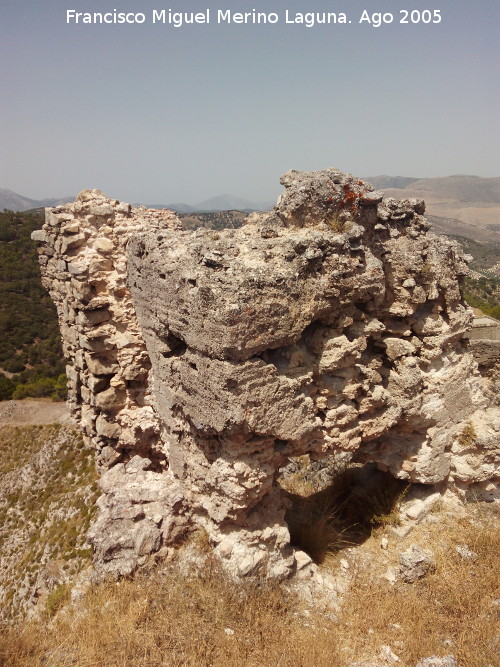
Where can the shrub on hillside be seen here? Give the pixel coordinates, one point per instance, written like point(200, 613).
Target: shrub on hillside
point(42, 387)
point(6, 388)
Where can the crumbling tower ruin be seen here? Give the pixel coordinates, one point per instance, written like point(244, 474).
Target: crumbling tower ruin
point(199, 362)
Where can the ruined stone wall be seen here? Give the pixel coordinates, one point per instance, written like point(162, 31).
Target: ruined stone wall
point(484, 338)
point(333, 323)
point(83, 258)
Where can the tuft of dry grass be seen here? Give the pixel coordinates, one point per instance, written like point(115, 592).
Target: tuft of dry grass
point(56, 600)
point(313, 528)
point(338, 223)
point(467, 437)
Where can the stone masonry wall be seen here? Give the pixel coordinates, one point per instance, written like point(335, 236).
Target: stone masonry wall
point(333, 323)
point(83, 260)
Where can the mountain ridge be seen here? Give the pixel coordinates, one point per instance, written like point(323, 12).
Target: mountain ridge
point(16, 202)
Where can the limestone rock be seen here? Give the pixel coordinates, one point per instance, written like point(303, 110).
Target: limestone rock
point(434, 661)
point(415, 563)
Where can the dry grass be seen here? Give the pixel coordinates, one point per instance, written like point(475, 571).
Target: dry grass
point(324, 519)
point(314, 528)
point(205, 619)
point(451, 611)
point(467, 438)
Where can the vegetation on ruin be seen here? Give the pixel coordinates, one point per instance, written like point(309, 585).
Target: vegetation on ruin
point(338, 223)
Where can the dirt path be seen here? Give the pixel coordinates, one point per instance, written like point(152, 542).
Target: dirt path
point(31, 411)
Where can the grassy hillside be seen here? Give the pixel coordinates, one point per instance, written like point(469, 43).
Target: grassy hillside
point(482, 287)
point(486, 255)
point(214, 220)
point(484, 293)
point(48, 488)
point(30, 348)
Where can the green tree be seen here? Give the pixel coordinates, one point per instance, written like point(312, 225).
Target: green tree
point(6, 388)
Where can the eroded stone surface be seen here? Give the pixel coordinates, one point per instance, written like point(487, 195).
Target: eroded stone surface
point(333, 323)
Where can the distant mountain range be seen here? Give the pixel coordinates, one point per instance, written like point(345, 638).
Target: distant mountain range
point(462, 205)
point(16, 202)
point(220, 203)
point(459, 188)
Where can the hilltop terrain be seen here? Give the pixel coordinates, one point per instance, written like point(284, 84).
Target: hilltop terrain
point(186, 612)
point(388, 569)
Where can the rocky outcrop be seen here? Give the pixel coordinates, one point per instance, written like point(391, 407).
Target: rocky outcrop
point(201, 361)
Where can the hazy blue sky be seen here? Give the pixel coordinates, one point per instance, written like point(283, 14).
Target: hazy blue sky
point(154, 113)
